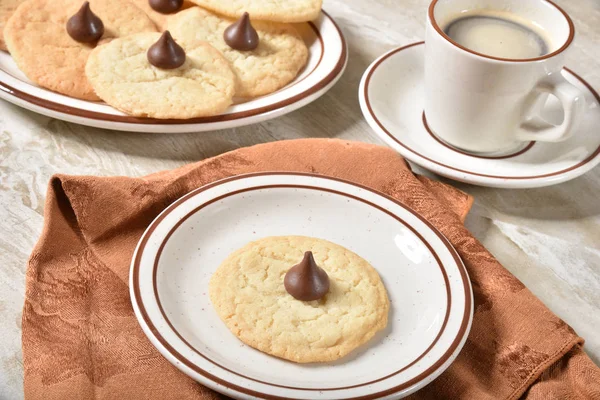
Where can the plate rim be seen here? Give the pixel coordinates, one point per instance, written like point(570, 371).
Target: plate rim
point(449, 171)
point(437, 366)
point(84, 116)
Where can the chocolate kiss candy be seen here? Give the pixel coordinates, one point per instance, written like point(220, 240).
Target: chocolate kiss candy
point(306, 281)
point(166, 6)
point(85, 26)
point(165, 53)
point(241, 35)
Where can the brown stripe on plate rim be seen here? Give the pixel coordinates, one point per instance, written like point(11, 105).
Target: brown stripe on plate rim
point(544, 57)
point(466, 153)
point(395, 139)
point(77, 112)
point(460, 335)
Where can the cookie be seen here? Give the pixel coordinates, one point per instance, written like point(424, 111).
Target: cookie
point(267, 10)
point(159, 19)
point(7, 8)
point(37, 38)
point(122, 76)
point(248, 293)
point(280, 55)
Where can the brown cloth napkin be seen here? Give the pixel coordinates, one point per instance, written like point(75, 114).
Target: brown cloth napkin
point(81, 339)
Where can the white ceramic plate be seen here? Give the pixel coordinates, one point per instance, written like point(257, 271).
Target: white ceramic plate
point(391, 98)
point(428, 286)
point(327, 60)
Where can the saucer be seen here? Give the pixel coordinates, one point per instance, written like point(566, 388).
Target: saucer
point(391, 97)
point(431, 301)
point(327, 58)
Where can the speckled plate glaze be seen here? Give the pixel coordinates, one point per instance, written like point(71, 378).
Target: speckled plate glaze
point(327, 60)
point(428, 286)
point(391, 98)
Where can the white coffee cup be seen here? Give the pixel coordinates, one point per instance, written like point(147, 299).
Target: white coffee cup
point(485, 104)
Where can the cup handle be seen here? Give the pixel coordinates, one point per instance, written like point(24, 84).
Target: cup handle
point(573, 103)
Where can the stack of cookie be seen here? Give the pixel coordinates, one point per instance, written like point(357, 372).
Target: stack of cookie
point(158, 58)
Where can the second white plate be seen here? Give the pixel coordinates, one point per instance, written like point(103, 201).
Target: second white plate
point(429, 290)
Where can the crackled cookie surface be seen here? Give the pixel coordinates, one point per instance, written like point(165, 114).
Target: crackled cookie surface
point(268, 10)
point(123, 77)
point(37, 38)
point(159, 19)
point(280, 54)
point(248, 292)
point(7, 8)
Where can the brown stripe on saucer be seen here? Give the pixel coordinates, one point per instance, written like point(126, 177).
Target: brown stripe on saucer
point(466, 153)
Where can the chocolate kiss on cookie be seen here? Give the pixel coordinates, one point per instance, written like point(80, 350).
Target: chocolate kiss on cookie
point(241, 35)
point(85, 26)
point(166, 53)
point(306, 281)
point(166, 6)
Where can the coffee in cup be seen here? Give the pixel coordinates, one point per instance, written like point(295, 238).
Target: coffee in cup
point(498, 34)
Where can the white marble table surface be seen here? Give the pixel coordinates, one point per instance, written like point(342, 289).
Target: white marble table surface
point(549, 238)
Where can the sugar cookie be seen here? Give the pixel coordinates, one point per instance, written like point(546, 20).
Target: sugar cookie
point(247, 291)
point(159, 19)
point(37, 38)
point(268, 10)
point(280, 55)
point(7, 8)
point(122, 76)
